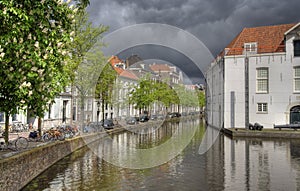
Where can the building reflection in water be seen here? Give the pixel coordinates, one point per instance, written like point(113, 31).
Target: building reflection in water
point(230, 164)
point(261, 164)
point(147, 146)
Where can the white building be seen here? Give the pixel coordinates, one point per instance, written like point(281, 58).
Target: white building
point(256, 79)
point(124, 83)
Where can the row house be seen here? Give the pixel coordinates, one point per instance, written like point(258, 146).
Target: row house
point(167, 73)
point(256, 79)
point(66, 106)
point(124, 83)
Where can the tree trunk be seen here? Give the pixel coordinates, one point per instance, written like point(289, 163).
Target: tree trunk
point(40, 126)
point(6, 128)
point(102, 109)
point(71, 105)
point(82, 112)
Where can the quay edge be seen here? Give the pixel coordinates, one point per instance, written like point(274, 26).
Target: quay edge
point(265, 133)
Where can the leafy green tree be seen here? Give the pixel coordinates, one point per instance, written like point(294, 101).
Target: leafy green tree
point(34, 39)
point(85, 47)
point(149, 91)
point(142, 95)
point(201, 99)
point(105, 85)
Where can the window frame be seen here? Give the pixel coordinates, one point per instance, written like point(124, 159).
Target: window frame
point(296, 78)
point(262, 107)
point(296, 48)
point(262, 79)
point(250, 48)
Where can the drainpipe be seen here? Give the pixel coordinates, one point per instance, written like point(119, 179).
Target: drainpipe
point(246, 92)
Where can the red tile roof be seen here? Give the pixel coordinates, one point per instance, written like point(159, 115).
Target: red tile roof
point(160, 67)
point(128, 74)
point(114, 60)
point(268, 38)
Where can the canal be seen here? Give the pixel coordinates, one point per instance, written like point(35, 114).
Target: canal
point(128, 161)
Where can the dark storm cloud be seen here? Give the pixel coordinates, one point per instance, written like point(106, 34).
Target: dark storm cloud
point(215, 22)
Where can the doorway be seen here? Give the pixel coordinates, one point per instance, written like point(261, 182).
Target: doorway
point(295, 115)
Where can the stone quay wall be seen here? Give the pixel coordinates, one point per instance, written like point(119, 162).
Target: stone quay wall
point(18, 170)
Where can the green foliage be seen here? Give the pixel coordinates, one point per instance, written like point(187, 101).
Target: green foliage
point(149, 91)
point(105, 84)
point(201, 98)
point(86, 61)
point(34, 37)
point(86, 42)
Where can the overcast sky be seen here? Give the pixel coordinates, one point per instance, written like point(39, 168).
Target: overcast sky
point(214, 22)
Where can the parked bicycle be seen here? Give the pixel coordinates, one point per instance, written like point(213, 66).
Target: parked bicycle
point(34, 137)
point(52, 135)
point(18, 143)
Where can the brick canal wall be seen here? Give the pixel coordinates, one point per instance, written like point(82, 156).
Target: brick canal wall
point(18, 170)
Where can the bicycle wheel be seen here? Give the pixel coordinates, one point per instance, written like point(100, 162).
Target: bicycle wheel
point(21, 143)
point(61, 137)
point(46, 137)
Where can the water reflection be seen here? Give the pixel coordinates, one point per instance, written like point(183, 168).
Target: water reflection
point(146, 147)
point(256, 164)
point(243, 164)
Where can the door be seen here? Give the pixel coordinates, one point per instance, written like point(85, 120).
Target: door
point(295, 114)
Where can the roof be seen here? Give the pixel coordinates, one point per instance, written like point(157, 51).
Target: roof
point(160, 67)
point(268, 38)
point(131, 60)
point(128, 74)
point(115, 61)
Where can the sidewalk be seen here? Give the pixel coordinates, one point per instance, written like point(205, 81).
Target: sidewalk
point(31, 144)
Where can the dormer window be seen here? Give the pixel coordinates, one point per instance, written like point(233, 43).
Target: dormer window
point(250, 48)
point(297, 48)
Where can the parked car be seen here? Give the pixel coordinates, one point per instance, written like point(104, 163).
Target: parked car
point(192, 113)
point(107, 123)
point(160, 117)
point(131, 121)
point(174, 114)
point(153, 117)
point(184, 114)
point(95, 125)
point(144, 118)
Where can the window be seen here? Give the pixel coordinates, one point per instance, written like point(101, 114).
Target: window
point(14, 117)
point(250, 48)
point(297, 48)
point(297, 79)
point(1, 117)
point(262, 80)
point(89, 106)
point(262, 107)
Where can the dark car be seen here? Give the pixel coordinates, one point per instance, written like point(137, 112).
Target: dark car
point(131, 121)
point(107, 123)
point(174, 114)
point(144, 118)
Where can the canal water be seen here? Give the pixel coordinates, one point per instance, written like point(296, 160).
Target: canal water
point(242, 164)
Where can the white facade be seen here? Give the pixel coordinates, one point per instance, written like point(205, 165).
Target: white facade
point(228, 97)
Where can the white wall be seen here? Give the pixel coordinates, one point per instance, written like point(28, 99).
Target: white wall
point(234, 93)
point(215, 94)
point(280, 98)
